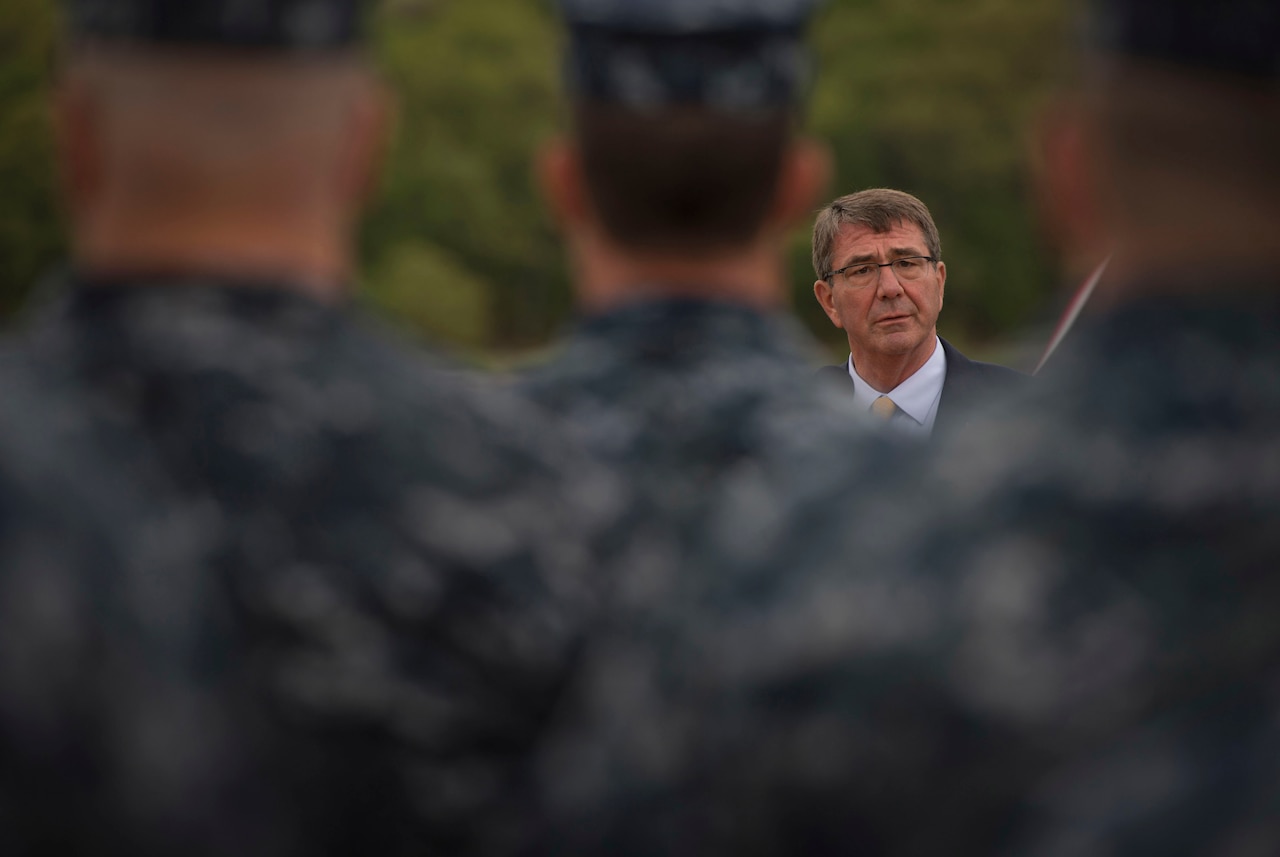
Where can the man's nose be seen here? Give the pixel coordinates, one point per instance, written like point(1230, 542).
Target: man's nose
point(888, 286)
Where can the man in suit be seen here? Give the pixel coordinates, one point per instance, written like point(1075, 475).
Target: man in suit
point(881, 279)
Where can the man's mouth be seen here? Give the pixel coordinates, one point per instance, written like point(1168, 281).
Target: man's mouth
point(890, 319)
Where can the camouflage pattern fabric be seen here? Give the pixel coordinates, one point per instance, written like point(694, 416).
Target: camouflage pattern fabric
point(1055, 633)
point(704, 406)
point(300, 591)
point(732, 73)
point(734, 57)
point(713, 413)
point(690, 17)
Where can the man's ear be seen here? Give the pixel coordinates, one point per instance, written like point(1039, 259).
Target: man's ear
point(822, 291)
point(1066, 183)
point(561, 180)
point(804, 175)
point(78, 138)
point(374, 118)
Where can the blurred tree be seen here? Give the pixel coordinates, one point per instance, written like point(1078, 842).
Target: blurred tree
point(421, 288)
point(31, 234)
point(479, 91)
point(930, 96)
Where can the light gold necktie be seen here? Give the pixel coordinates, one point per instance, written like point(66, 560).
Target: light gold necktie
point(884, 408)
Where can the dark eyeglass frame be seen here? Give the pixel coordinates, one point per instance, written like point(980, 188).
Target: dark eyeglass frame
point(889, 264)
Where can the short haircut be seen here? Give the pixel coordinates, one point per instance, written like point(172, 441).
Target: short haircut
point(194, 121)
point(681, 179)
point(879, 209)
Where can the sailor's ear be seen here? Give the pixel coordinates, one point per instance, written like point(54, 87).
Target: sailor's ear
point(1067, 181)
point(802, 180)
point(79, 143)
point(562, 182)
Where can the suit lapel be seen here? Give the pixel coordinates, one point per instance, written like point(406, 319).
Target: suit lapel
point(955, 386)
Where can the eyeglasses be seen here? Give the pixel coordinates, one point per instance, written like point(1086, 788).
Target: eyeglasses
point(862, 274)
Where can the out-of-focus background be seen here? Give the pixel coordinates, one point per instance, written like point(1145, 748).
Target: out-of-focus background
point(936, 97)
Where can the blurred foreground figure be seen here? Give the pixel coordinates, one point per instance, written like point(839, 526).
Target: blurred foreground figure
point(1060, 634)
point(675, 192)
point(286, 589)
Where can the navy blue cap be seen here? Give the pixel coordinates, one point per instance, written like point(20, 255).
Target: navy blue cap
point(1240, 37)
point(689, 17)
point(730, 55)
point(280, 25)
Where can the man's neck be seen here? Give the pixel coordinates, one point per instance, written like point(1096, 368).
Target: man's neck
point(1171, 245)
point(607, 278)
point(1130, 278)
point(308, 257)
point(885, 372)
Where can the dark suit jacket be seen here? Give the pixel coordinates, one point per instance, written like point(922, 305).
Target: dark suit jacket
point(967, 382)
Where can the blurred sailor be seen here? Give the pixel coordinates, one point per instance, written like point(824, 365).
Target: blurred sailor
point(675, 191)
point(334, 590)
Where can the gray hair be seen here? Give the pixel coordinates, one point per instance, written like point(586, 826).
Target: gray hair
point(879, 209)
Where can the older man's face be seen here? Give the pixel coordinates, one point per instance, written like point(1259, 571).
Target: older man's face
point(890, 317)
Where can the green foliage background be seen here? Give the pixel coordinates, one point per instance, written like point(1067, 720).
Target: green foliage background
point(931, 96)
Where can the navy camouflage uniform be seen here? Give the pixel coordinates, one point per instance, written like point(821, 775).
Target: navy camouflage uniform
point(309, 531)
point(678, 391)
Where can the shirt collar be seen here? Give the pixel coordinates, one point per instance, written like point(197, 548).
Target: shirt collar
point(917, 396)
point(683, 328)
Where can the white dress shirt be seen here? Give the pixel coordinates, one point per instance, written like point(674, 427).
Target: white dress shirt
point(917, 397)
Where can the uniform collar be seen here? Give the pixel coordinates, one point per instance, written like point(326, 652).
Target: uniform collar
point(87, 294)
point(681, 328)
